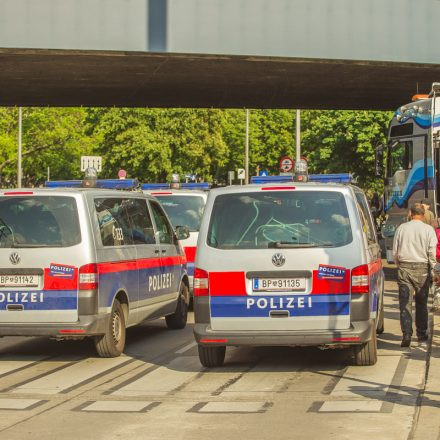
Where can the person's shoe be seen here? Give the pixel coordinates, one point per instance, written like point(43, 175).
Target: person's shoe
point(422, 337)
point(406, 341)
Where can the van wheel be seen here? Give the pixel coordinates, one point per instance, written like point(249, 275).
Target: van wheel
point(178, 319)
point(366, 354)
point(112, 343)
point(381, 321)
point(212, 356)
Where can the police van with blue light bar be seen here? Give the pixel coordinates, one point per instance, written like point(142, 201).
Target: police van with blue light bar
point(85, 259)
point(288, 264)
point(184, 203)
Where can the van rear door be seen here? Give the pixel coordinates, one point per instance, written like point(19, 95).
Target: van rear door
point(281, 260)
point(39, 243)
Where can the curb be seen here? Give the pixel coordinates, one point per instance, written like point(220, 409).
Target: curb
point(426, 422)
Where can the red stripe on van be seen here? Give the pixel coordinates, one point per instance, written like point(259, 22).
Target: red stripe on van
point(328, 286)
point(227, 284)
point(143, 263)
point(375, 266)
point(190, 252)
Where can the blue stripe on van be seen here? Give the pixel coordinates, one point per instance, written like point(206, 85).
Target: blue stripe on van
point(40, 299)
point(297, 305)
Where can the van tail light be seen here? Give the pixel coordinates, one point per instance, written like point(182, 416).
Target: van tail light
point(88, 277)
point(360, 279)
point(201, 282)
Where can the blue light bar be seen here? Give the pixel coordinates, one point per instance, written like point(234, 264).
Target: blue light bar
point(193, 185)
point(271, 179)
point(63, 184)
point(333, 178)
point(196, 185)
point(154, 186)
point(323, 178)
point(100, 183)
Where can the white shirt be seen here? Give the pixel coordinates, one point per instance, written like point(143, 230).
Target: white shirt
point(415, 242)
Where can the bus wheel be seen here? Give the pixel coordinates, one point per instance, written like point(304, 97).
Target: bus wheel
point(212, 356)
point(366, 354)
point(178, 319)
point(112, 343)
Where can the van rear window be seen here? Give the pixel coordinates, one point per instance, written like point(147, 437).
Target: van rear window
point(279, 219)
point(38, 221)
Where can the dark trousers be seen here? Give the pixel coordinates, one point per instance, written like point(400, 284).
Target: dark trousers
point(413, 277)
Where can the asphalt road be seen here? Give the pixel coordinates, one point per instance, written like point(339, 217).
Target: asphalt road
point(158, 389)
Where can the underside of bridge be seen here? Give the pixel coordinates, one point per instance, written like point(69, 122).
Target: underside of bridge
point(31, 77)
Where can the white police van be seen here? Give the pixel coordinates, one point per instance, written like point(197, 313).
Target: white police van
point(79, 262)
point(291, 264)
point(184, 206)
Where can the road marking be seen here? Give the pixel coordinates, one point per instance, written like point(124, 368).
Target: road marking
point(266, 378)
point(351, 406)
point(186, 348)
point(372, 381)
point(119, 406)
point(18, 403)
point(163, 379)
point(231, 407)
point(8, 367)
point(72, 376)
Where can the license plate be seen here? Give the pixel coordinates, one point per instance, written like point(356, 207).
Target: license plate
point(279, 284)
point(19, 280)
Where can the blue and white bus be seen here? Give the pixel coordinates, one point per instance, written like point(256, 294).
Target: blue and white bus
point(412, 161)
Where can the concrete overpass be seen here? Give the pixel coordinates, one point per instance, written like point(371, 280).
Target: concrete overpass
point(218, 53)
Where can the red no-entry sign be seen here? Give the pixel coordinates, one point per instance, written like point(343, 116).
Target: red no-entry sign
point(286, 164)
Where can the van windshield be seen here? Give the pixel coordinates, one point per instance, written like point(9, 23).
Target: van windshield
point(183, 210)
point(38, 221)
point(279, 219)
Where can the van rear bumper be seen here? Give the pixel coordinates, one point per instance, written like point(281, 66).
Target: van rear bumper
point(87, 325)
point(358, 333)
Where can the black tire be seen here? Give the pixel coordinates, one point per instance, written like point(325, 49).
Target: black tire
point(178, 319)
point(112, 343)
point(212, 356)
point(366, 354)
point(381, 320)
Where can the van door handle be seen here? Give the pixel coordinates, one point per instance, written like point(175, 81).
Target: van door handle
point(156, 251)
point(164, 251)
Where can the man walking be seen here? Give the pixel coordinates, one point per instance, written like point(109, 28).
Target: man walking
point(429, 217)
point(414, 251)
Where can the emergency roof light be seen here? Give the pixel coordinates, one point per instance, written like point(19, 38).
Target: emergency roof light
point(322, 178)
point(193, 185)
point(100, 183)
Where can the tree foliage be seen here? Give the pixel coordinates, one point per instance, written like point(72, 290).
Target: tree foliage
point(151, 144)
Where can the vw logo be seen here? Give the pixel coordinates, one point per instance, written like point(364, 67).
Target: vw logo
point(14, 258)
point(278, 260)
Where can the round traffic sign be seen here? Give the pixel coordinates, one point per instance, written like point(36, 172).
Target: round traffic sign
point(286, 164)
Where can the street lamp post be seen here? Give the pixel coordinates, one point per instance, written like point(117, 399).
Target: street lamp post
point(246, 154)
point(19, 172)
point(298, 136)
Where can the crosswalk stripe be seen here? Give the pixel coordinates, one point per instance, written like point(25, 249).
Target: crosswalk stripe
point(70, 377)
point(232, 407)
point(351, 406)
point(118, 406)
point(186, 348)
point(9, 366)
point(371, 381)
point(163, 379)
point(18, 403)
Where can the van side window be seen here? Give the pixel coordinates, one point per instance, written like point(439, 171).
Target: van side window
point(142, 226)
point(114, 222)
point(165, 232)
point(367, 224)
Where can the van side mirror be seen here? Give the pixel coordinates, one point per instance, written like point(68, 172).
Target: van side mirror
point(182, 232)
point(378, 161)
